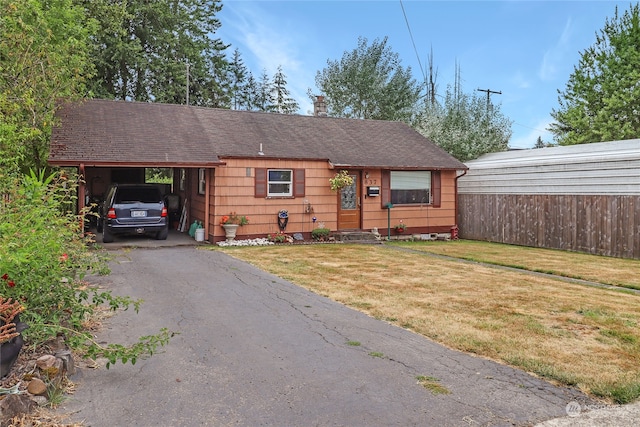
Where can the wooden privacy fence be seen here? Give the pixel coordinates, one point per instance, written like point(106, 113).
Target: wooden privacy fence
point(598, 224)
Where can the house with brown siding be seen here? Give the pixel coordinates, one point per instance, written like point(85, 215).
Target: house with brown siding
point(258, 164)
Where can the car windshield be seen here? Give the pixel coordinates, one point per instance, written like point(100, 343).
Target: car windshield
point(137, 194)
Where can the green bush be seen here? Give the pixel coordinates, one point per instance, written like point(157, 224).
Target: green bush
point(44, 256)
point(320, 233)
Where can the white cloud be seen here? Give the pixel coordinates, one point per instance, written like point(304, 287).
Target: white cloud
point(556, 56)
point(263, 40)
point(520, 81)
point(267, 41)
point(271, 50)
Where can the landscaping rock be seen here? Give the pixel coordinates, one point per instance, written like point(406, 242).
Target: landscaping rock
point(37, 387)
point(40, 400)
point(67, 361)
point(45, 362)
point(14, 405)
point(248, 242)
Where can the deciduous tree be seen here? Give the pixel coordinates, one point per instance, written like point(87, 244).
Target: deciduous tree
point(369, 83)
point(43, 57)
point(465, 125)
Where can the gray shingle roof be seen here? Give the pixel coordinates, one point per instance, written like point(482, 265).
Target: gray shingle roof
point(102, 132)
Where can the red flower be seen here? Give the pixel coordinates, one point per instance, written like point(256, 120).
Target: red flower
point(64, 257)
point(11, 283)
point(5, 276)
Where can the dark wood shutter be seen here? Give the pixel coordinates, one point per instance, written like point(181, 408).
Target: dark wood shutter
point(385, 190)
point(260, 183)
point(298, 183)
point(436, 185)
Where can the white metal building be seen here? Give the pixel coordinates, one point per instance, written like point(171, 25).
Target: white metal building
point(582, 198)
point(598, 168)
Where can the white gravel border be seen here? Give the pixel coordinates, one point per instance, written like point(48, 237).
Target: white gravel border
point(249, 242)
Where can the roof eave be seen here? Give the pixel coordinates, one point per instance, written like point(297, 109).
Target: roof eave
point(92, 163)
point(393, 167)
point(265, 157)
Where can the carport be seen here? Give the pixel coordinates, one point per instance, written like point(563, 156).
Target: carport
point(97, 178)
point(92, 142)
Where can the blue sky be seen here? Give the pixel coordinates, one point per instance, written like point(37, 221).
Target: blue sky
point(524, 49)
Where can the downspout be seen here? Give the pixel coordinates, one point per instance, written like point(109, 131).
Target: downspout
point(464, 172)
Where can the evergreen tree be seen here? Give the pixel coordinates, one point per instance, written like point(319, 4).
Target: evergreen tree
point(282, 102)
point(238, 74)
point(142, 50)
point(263, 99)
point(542, 144)
point(251, 96)
point(600, 101)
point(430, 81)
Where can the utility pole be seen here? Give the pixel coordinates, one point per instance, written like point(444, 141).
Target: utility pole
point(489, 92)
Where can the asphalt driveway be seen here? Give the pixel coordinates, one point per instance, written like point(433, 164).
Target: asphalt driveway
point(253, 349)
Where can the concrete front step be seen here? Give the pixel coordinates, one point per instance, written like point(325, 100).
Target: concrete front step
point(356, 236)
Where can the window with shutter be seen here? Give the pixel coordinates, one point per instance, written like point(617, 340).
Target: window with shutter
point(298, 184)
point(279, 182)
point(385, 196)
point(437, 189)
point(260, 183)
point(410, 188)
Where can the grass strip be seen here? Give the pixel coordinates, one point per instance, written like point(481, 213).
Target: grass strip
point(606, 270)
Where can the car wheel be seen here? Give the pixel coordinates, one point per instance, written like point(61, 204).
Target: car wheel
point(162, 234)
point(107, 236)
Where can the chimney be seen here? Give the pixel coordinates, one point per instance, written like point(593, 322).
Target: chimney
point(320, 107)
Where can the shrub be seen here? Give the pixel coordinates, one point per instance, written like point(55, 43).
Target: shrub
point(44, 256)
point(320, 233)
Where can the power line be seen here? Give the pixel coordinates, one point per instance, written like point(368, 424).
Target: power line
point(424, 77)
point(532, 128)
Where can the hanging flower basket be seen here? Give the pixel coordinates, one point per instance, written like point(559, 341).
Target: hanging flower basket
point(341, 180)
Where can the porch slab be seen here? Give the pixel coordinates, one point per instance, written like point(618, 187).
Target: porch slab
point(357, 236)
